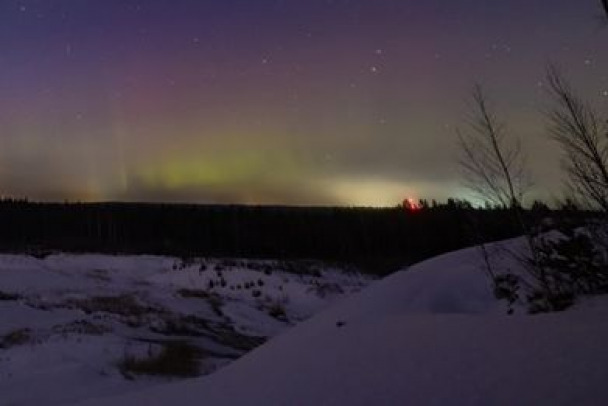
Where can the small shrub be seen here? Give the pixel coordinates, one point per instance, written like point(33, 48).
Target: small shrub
point(302, 268)
point(277, 311)
point(506, 287)
point(576, 262)
point(39, 253)
point(193, 293)
point(5, 296)
point(230, 263)
point(328, 289)
point(216, 303)
point(562, 270)
point(190, 326)
point(123, 305)
point(15, 338)
point(82, 327)
point(541, 301)
point(186, 262)
point(175, 359)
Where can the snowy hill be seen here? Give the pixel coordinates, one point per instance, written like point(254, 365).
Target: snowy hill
point(433, 335)
point(79, 326)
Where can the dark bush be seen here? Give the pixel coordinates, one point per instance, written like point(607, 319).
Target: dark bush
point(564, 268)
point(506, 287)
point(175, 359)
point(277, 311)
point(193, 293)
point(9, 296)
point(15, 338)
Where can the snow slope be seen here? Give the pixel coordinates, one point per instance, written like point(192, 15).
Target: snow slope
point(433, 335)
point(67, 322)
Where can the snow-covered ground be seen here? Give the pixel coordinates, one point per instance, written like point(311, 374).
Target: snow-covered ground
point(432, 335)
point(75, 326)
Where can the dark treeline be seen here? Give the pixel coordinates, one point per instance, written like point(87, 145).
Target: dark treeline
point(374, 239)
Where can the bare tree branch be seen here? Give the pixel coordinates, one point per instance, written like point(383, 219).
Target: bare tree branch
point(492, 166)
point(578, 129)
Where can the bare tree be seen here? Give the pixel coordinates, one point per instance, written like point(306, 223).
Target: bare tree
point(492, 164)
point(494, 167)
point(582, 135)
point(605, 6)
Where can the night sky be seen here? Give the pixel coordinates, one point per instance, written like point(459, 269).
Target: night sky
point(276, 101)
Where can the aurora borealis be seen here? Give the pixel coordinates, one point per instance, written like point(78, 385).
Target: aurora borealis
point(349, 102)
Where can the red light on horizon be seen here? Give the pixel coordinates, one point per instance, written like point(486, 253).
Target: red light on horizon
point(410, 204)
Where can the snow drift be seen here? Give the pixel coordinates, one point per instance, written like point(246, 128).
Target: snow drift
point(431, 335)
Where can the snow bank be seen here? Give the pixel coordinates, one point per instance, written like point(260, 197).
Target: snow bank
point(432, 335)
point(68, 321)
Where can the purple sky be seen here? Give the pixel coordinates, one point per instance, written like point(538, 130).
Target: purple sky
point(276, 101)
